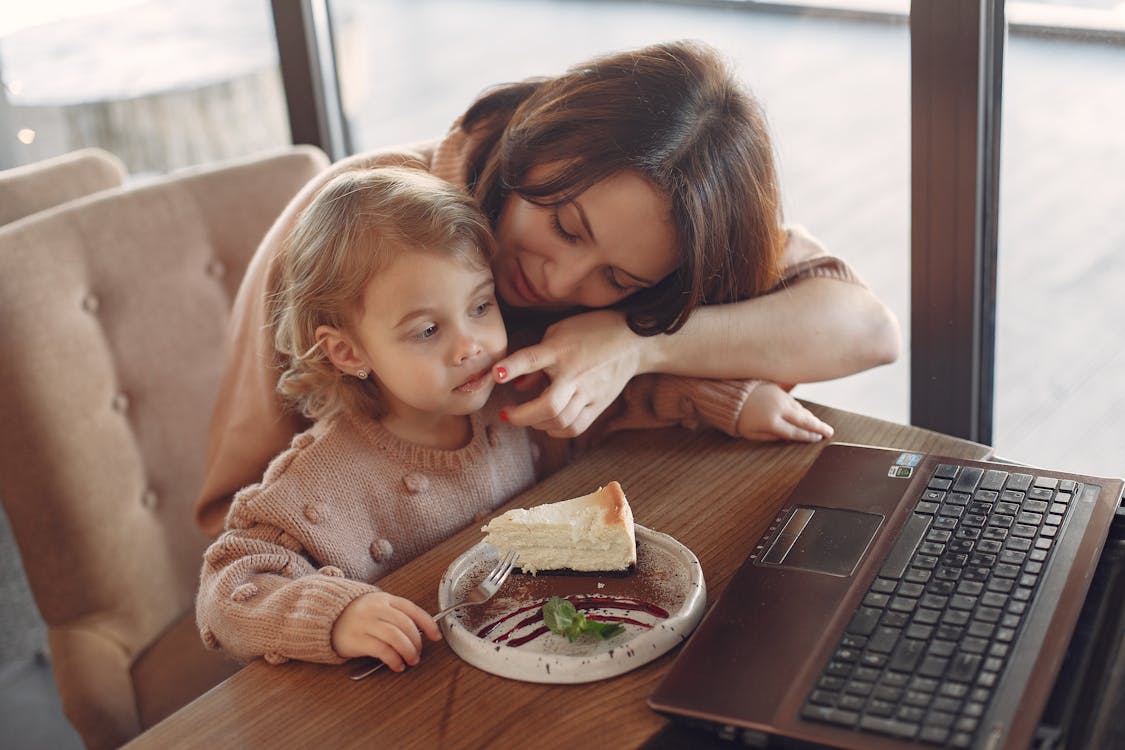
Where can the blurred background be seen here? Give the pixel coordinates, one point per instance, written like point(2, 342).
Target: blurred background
point(166, 84)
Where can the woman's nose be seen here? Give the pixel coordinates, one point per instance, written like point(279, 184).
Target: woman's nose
point(564, 277)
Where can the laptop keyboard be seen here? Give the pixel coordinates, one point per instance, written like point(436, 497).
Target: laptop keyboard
point(927, 645)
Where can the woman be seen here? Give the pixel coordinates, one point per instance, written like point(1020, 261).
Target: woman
point(634, 195)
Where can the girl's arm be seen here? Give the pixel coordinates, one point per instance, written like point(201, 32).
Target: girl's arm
point(259, 596)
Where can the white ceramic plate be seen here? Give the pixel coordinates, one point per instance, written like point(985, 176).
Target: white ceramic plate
point(667, 577)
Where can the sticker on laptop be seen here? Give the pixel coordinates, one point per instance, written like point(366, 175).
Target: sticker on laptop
point(900, 472)
point(909, 459)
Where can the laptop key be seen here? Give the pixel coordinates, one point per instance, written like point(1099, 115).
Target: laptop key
point(906, 655)
point(935, 735)
point(831, 715)
point(823, 697)
point(864, 621)
point(967, 480)
point(894, 727)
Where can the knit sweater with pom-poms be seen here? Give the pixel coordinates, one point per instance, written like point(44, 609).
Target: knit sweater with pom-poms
point(347, 503)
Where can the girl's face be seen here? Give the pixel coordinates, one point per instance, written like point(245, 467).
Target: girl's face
point(430, 332)
point(614, 239)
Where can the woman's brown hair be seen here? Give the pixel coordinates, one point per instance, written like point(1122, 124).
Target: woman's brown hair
point(674, 113)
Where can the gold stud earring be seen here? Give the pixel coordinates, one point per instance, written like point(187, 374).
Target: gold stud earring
point(362, 374)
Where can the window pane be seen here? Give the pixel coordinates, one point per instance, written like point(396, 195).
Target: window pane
point(836, 92)
point(161, 84)
point(1060, 343)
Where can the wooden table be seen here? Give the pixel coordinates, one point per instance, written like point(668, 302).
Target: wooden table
point(713, 493)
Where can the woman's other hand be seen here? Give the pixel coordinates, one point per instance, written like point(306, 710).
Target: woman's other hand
point(384, 626)
point(771, 413)
point(588, 358)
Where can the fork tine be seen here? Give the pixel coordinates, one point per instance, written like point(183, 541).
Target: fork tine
point(500, 569)
point(509, 563)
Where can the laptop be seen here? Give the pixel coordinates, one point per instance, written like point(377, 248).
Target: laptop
point(898, 600)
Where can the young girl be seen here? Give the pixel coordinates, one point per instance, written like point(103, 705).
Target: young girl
point(387, 320)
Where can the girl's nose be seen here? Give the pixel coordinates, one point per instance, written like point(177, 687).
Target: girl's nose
point(467, 347)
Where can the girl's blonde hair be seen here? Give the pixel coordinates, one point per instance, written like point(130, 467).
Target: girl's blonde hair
point(355, 226)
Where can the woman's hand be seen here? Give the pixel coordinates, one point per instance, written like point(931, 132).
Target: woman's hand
point(771, 413)
point(384, 626)
point(588, 358)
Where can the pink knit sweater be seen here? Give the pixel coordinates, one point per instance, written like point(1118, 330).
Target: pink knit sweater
point(347, 503)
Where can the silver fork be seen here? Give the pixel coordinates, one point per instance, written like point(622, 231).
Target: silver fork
point(480, 594)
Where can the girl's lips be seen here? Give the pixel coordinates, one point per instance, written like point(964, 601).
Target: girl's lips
point(476, 382)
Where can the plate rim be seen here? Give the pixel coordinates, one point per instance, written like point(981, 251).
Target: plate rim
point(529, 666)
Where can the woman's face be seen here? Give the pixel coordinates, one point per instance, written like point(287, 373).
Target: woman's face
point(614, 239)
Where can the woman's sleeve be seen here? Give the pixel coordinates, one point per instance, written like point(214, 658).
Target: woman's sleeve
point(249, 423)
point(806, 258)
point(657, 400)
point(260, 596)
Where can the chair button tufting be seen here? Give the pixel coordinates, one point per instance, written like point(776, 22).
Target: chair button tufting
point(90, 303)
point(121, 403)
point(216, 268)
point(149, 499)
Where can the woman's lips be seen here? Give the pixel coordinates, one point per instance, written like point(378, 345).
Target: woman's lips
point(523, 287)
point(476, 382)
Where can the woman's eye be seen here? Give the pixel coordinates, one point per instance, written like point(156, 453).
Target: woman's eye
point(565, 235)
point(426, 333)
point(611, 278)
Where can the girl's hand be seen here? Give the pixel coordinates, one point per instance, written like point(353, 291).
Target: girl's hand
point(384, 626)
point(588, 358)
point(771, 413)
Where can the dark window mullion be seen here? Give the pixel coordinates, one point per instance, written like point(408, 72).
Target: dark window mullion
point(306, 55)
point(956, 53)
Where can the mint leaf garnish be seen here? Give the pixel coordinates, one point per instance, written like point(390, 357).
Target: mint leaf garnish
point(562, 618)
point(604, 629)
point(559, 614)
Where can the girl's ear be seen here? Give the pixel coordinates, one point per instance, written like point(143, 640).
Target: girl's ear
point(340, 350)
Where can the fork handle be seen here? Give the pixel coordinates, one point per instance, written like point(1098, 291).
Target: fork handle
point(368, 672)
point(440, 615)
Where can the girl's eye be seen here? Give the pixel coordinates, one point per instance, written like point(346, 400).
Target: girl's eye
point(426, 333)
point(481, 309)
point(565, 235)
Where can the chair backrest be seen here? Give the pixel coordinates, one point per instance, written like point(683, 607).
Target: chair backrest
point(113, 311)
point(34, 187)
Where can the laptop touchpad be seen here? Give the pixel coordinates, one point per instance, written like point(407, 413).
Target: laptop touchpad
point(822, 540)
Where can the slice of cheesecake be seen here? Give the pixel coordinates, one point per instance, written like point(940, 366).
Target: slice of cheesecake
point(589, 534)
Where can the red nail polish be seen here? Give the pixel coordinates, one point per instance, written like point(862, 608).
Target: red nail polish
point(504, 415)
point(501, 373)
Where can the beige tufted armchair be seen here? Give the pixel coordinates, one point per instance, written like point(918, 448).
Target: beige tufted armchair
point(35, 187)
point(113, 310)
